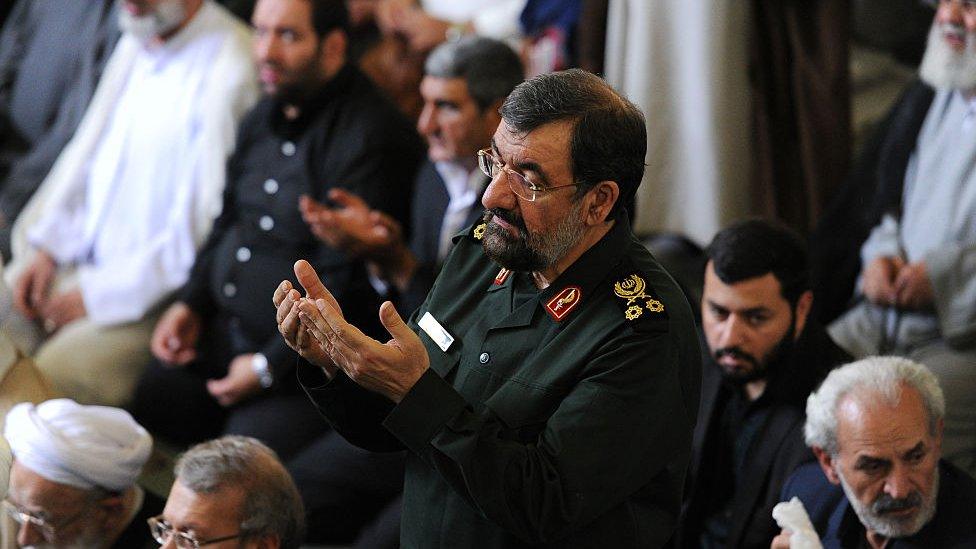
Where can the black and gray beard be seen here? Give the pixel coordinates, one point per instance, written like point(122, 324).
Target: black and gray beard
point(947, 69)
point(165, 17)
point(529, 252)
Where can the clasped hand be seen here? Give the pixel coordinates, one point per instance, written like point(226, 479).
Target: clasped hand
point(314, 327)
point(892, 281)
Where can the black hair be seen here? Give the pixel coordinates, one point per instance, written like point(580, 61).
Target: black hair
point(755, 247)
point(328, 15)
point(609, 139)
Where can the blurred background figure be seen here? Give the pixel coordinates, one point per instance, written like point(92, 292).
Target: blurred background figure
point(116, 224)
point(47, 77)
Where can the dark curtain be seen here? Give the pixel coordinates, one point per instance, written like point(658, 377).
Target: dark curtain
point(801, 105)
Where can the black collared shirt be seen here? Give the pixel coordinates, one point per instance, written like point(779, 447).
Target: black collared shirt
point(347, 135)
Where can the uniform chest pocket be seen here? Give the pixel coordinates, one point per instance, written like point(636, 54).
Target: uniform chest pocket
point(523, 407)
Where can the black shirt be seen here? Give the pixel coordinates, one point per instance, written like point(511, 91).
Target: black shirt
point(346, 135)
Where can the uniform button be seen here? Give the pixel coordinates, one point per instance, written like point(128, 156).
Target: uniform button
point(230, 290)
point(270, 186)
point(243, 254)
point(266, 222)
point(484, 358)
point(288, 148)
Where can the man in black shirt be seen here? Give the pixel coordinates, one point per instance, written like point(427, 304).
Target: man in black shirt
point(221, 364)
point(765, 356)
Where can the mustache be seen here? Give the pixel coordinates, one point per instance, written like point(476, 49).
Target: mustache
point(507, 216)
point(957, 31)
point(887, 504)
point(737, 353)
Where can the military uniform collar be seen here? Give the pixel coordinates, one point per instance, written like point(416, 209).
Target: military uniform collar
point(592, 267)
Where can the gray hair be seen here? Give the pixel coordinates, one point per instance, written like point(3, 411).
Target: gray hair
point(271, 506)
point(878, 376)
point(489, 67)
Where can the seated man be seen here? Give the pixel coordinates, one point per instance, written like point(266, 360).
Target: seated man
point(465, 84)
point(765, 355)
point(47, 77)
point(221, 364)
point(115, 226)
point(231, 488)
point(917, 265)
point(73, 480)
point(876, 427)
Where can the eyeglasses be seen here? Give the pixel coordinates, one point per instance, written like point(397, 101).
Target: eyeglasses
point(968, 6)
point(162, 532)
point(46, 527)
point(523, 188)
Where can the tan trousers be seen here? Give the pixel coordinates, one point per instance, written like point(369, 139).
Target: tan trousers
point(84, 361)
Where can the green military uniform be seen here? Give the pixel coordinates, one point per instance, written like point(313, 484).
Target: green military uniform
point(558, 418)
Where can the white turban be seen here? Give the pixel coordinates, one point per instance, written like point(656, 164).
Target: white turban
point(81, 446)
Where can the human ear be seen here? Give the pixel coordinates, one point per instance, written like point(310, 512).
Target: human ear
point(600, 200)
point(803, 306)
point(827, 463)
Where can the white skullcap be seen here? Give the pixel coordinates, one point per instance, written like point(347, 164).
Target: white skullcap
point(81, 446)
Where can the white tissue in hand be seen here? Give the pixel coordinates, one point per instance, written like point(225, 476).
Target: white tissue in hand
point(790, 515)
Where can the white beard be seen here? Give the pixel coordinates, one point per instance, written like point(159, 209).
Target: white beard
point(165, 17)
point(944, 68)
point(885, 526)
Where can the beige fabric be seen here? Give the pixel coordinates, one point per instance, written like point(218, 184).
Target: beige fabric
point(20, 380)
point(96, 364)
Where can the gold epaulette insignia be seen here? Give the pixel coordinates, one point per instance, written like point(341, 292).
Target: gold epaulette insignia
point(632, 289)
point(479, 231)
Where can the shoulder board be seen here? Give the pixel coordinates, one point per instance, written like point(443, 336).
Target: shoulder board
point(640, 306)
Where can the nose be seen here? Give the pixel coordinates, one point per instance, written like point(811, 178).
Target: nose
point(734, 332)
point(950, 12)
point(499, 194)
point(265, 47)
point(427, 122)
point(28, 534)
point(898, 484)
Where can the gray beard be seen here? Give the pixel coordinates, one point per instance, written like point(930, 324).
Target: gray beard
point(944, 68)
point(167, 16)
point(885, 526)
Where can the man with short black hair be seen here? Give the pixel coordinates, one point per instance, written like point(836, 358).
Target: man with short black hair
point(231, 488)
point(547, 388)
point(220, 365)
point(765, 355)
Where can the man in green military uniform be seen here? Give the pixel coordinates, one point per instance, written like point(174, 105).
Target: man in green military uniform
point(548, 386)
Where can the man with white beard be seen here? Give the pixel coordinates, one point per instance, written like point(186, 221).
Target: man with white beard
point(114, 228)
point(876, 427)
point(913, 196)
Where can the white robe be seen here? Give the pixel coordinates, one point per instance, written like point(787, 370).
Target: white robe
point(685, 65)
point(133, 195)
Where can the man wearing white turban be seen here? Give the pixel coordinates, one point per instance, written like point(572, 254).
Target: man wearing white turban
point(73, 479)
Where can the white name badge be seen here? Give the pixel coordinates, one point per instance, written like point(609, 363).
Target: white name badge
point(436, 332)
